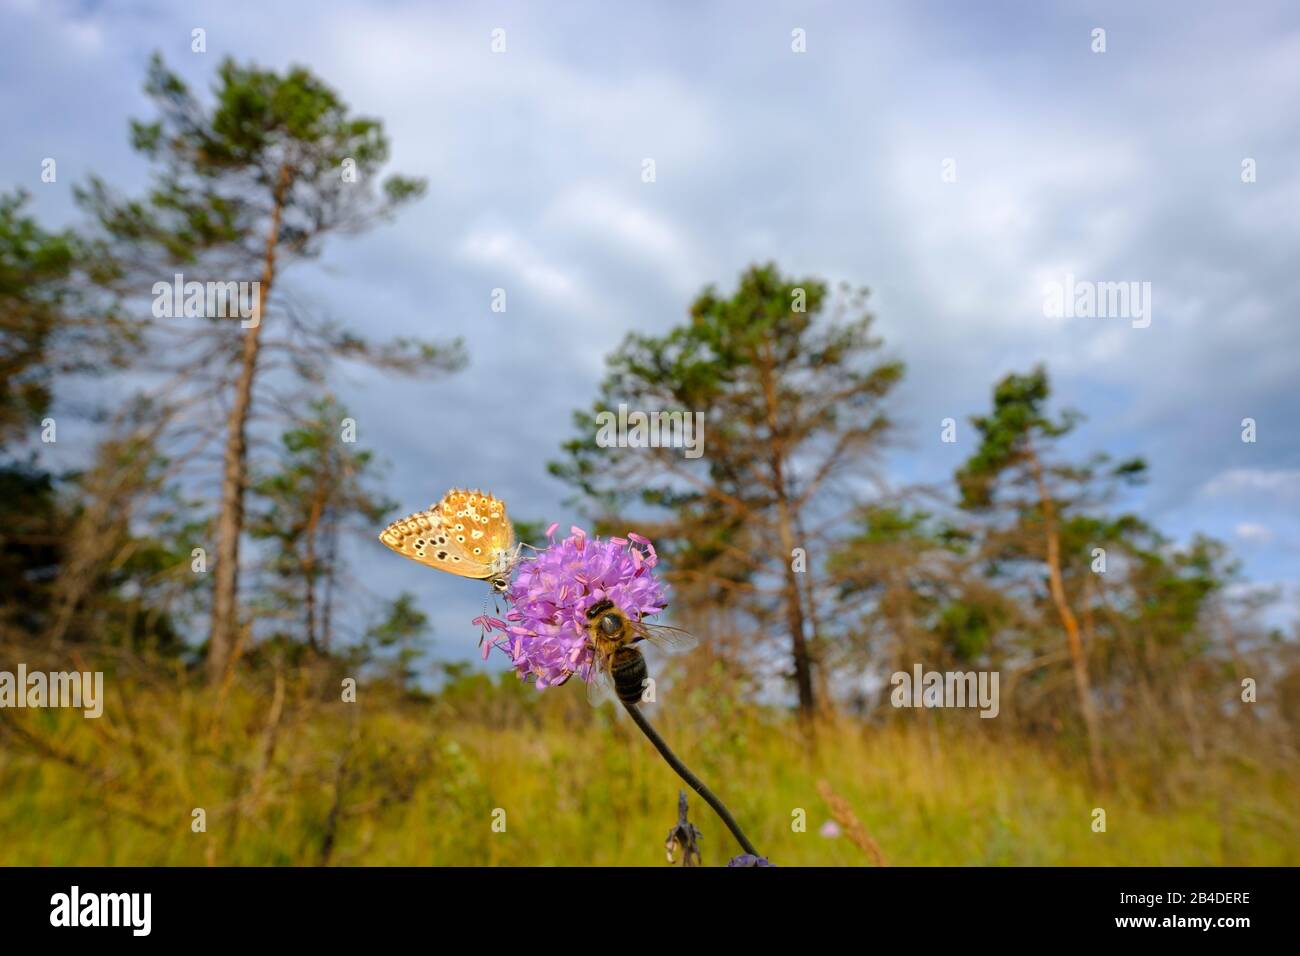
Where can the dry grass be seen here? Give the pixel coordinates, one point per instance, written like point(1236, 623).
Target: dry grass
point(294, 778)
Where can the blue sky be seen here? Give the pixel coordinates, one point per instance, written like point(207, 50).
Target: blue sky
point(1115, 166)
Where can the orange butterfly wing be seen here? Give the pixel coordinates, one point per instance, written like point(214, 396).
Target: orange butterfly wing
point(467, 533)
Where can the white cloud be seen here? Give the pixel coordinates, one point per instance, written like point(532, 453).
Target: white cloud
point(515, 256)
point(640, 233)
point(1279, 483)
point(1252, 532)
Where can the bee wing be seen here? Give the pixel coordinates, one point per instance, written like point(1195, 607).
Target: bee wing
point(600, 687)
point(670, 640)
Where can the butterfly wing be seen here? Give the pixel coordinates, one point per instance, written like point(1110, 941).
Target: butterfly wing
point(477, 524)
point(467, 534)
point(425, 538)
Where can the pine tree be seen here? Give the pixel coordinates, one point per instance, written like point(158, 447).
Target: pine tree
point(792, 405)
point(1014, 473)
point(244, 188)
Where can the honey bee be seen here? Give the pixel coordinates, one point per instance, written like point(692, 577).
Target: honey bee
point(618, 667)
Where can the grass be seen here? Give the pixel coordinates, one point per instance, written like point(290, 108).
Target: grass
point(388, 781)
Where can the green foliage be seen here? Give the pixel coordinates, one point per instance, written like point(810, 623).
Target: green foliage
point(1015, 435)
point(392, 643)
point(49, 322)
point(967, 629)
point(31, 527)
point(272, 155)
point(34, 266)
point(1008, 434)
point(265, 135)
point(735, 354)
point(403, 622)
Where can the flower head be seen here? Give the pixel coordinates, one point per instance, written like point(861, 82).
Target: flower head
point(748, 859)
point(545, 628)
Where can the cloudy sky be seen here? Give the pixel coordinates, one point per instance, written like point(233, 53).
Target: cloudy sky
point(1117, 166)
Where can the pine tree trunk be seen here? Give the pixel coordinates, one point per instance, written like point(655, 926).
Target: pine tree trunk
point(230, 521)
point(309, 558)
point(793, 600)
point(803, 676)
point(816, 645)
point(1078, 661)
point(331, 562)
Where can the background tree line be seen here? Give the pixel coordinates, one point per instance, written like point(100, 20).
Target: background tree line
point(791, 549)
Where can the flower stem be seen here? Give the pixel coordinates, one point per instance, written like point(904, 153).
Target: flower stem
point(695, 782)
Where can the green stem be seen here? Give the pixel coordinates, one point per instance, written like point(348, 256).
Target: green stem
point(695, 782)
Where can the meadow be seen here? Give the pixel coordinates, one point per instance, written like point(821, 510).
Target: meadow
point(284, 775)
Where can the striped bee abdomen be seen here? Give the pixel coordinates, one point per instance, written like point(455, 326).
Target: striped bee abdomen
point(628, 669)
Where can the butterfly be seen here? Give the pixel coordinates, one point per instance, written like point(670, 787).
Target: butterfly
point(467, 534)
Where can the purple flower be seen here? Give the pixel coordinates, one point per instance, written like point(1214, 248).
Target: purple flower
point(748, 859)
point(545, 628)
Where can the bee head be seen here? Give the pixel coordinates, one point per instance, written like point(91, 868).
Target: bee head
point(599, 608)
point(606, 616)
